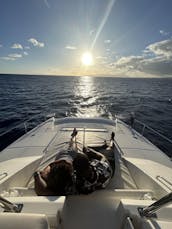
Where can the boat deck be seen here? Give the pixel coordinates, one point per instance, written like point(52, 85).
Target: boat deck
point(142, 173)
point(134, 155)
point(141, 156)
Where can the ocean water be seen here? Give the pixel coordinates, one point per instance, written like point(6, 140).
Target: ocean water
point(31, 98)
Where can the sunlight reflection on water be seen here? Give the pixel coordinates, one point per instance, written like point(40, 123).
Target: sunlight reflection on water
point(87, 93)
point(85, 87)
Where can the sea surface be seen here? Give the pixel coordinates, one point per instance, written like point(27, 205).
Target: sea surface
point(32, 98)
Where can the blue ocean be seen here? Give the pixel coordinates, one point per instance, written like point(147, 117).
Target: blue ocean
point(32, 98)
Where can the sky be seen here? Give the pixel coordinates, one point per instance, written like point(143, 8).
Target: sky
point(126, 38)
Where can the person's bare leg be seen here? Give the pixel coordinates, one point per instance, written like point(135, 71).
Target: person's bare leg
point(73, 142)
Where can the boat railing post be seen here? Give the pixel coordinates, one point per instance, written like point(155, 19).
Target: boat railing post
point(143, 129)
point(116, 122)
point(84, 138)
point(25, 127)
point(53, 122)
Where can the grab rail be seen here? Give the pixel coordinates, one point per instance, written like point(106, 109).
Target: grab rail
point(154, 131)
point(150, 210)
point(13, 128)
point(21, 129)
point(3, 175)
point(9, 206)
point(141, 129)
point(164, 181)
point(19, 125)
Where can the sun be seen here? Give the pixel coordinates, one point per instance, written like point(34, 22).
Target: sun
point(87, 58)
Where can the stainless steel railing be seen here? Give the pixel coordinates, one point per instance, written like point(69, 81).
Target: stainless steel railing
point(144, 126)
point(20, 125)
point(23, 127)
point(3, 175)
point(158, 138)
point(150, 210)
point(165, 182)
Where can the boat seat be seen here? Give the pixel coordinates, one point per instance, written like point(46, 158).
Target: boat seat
point(96, 210)
point(23, 220)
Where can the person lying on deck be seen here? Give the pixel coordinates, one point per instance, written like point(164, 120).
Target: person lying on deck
point(74, 172)
point(93, 171)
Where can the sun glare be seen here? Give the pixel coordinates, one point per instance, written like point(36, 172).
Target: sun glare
point(87, 59)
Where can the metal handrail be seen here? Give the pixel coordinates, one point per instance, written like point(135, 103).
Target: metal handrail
point(164, 181)
point(3, 175)
point(9, 206)
point(19, 125)
point(150, 210)
point(13, 128)
point(154, 131)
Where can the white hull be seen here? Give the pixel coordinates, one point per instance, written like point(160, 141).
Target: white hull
point(143, 174)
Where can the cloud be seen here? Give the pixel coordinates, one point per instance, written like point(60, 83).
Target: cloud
point(16, 46)
point(36, 43)
point(70, 47)
point(129, 64)
point(162, 48)
point(15, 55)
point(1, 46)
point(156, 60)
point(157, 66)
point(25, 53)
point(107, 41)
point(12, 56)
point(7, 58)
point(163, 33)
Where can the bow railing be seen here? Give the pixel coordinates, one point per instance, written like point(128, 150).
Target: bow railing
point(150, 133)
point(12, 134)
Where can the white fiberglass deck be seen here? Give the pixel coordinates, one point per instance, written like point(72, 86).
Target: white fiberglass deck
point(142, 154)
point(142, 172)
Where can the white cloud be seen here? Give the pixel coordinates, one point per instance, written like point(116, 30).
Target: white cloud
point(7, 58)
point(15, 55)
point(17, 46)
point(25, 53)
point(107, 41)
point(70, 47)
point(156, 60)
point(162, 48)
point(101, 60)
point(127, 64)
point(163, 33)
point(36, 43)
